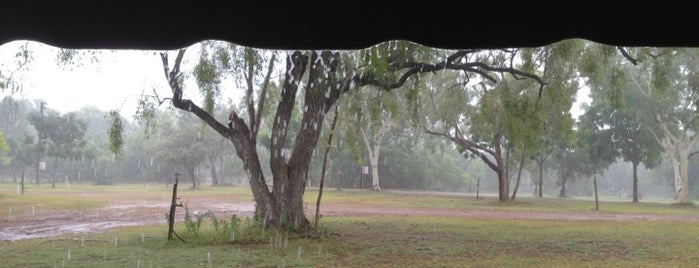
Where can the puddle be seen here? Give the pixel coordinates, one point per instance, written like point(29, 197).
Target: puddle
point(57, 223)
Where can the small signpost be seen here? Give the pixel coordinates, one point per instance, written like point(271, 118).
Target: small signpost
point(365, 171)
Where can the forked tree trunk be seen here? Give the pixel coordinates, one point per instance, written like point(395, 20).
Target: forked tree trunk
point(492, 156)
point(373, 147)
point(677, 148)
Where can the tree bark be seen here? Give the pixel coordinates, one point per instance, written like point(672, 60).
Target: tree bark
point(53, 176)
point(678, 149)
point(214, 175)
point(564, 180)
point(635, 181)
point(504, 181)
point(374, 149)
point(519, 173)
point(594, 184)
point(192, 176)
point(540, 161)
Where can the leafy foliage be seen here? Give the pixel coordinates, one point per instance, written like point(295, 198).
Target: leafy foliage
point(116, 138)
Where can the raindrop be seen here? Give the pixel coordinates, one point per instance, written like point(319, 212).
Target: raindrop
point(208, 258)
point(138, 262)
point(116, 240)
point(33, 210)
point(320, 249)
point(82, 241)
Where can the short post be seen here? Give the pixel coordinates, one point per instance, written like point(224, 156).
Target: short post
point(173, 205)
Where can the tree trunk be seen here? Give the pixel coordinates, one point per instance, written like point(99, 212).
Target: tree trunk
point(55, 170)
point(500, 169)
point(594, 184)
point(519, 173)
point(190, 171)
point(677, 148)
point(683, 191)
point(541, 178)
point(635, 181)
point(214, 175)
point(374, 160)
point(22, 182)
point(374, 149)
point(563, 179)
point(540, 161)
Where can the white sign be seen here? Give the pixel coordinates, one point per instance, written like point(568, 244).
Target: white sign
point(42, 165)
point(365, 170)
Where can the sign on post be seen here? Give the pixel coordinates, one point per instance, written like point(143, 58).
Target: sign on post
point(365, 170)
point(42, 165)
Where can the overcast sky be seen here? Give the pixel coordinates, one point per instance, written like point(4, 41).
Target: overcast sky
point(115, 82)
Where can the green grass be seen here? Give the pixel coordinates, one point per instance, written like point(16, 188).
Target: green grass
point(366, 241)
point(463, 202)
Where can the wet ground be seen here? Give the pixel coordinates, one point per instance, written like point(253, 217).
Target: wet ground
point(41, 223)
point(48, 223)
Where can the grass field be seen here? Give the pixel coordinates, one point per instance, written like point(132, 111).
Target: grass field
point(358, 229)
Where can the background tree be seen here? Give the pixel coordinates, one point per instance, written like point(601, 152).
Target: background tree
point(65, 134)
point(374, 113)
point(632, 138)
point(484, 118)
point(558, 65)
point(594, 140)
point(182, 144)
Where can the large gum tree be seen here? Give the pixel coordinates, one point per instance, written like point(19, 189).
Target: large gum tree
point(318, 79)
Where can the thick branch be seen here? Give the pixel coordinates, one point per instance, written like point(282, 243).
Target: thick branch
point(413, 68)
point(665, 130)
point(249, 94)
point(295, 68)
point(263, 95)
point(627, 56)
point(470, 146)
point(185, 104)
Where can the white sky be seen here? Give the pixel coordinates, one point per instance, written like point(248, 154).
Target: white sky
point(115, 82)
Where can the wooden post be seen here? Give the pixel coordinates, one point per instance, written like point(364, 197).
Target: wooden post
point(171, 220)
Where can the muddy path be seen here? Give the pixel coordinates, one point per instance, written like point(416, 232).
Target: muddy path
point(28, 225)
